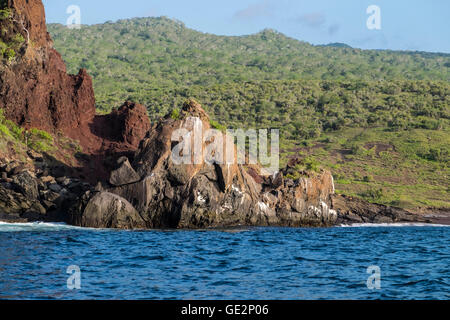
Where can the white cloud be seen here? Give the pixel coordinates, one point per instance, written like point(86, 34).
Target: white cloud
point(313, 20)
point(254, 11)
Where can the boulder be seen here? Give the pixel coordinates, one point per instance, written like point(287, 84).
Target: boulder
point(11, 202)
point(26, 184)
point(107, 210)
point(35, 156)
point(60, 180)
point(49, 206)
point(125, 174)
point(48, 179)
point(50, 196)
point(15, 207)
point(55, 187)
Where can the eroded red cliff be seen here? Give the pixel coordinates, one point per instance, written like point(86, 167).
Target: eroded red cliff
point(37, 92)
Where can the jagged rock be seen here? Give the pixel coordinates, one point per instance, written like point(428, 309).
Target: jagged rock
point(37, 92)
point(106, 210)
point(43, 171)
point(36, 207)
point(10, 201)
point(55, 187)
point(278, 180)
point(13, 168)
point(26, 184)
point(125, 174)
point(50, 196)
point(128, 124)
point(49, 206)
point(15, 206)
point(203, 195)
point(66, 182)
point(99, 187)
point(7, 185)
point(41, 185)
point(352, 210)
point(35, 156)
point(76, 187)
point(48, 179)
point(60, 180)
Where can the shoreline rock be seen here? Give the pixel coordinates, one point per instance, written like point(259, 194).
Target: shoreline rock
point(202, 195)
point(145, 188)
point(353, 210)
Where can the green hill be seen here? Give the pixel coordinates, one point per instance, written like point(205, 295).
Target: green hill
point(146, 53)
point(378, 119)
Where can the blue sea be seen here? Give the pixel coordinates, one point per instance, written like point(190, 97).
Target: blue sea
point(41, 261)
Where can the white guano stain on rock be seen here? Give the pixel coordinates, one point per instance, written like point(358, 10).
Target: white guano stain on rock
point(200, 198)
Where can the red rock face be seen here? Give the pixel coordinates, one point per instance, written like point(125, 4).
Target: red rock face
point(128, 124)
point(45, 97)
point(36, 92)
point(33, 19)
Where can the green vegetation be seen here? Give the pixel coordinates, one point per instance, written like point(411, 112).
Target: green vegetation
point(175, 114)
point(5, 13)
point(34, 139)
point(143, 58)
point(10, 43)
point(217, 126)
point(389, 167)
point(16, 141)
point(305, 165)
point(9, 128)
point(39, 140)
point(379, 120)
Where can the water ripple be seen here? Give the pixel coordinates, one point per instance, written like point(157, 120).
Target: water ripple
point(246, 263)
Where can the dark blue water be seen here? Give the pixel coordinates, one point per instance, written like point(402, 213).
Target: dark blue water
point(235, 264)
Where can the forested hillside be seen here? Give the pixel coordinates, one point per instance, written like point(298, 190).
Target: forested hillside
point(378, 119)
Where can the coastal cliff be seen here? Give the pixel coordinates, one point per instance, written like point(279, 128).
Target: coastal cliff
point(37, 92)
point(124, 176)
point(167, 195)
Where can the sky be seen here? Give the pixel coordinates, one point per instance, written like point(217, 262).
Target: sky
point(404, 24)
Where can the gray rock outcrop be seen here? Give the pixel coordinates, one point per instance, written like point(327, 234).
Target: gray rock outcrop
point(107, 210)
point(125, 174)
point(204, 195)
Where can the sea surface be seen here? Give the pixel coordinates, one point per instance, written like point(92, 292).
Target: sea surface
point(404, 261)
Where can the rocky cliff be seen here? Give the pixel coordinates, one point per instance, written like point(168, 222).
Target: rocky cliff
point(37, 92)
point(138, 183)
point(155, 192)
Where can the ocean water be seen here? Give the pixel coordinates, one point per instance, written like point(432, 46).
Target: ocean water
point(246, 263)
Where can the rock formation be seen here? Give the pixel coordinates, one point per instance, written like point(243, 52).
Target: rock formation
point(352, 210)
point(37, 92)
point(107, 210)
point(29, 193)
point(139, 183)
point(169, 195)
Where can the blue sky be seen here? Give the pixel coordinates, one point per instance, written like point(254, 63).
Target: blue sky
point(405, 24)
